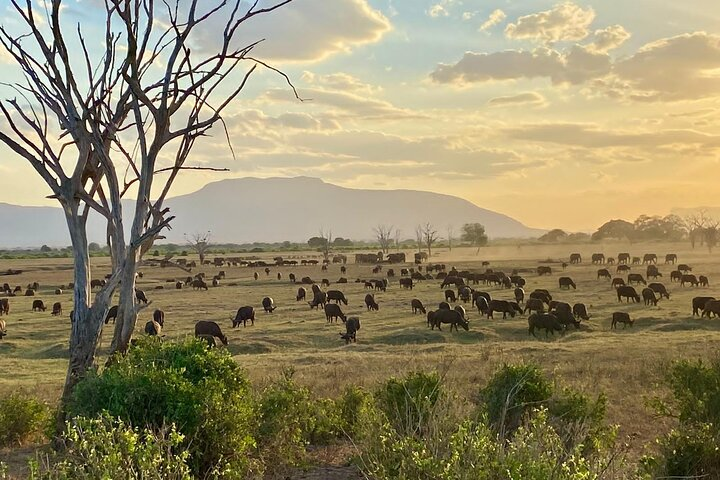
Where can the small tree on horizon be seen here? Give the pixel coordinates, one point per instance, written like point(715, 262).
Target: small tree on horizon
point(429, 236)
point(384, 235)
point(474, 233)
point(200, 243)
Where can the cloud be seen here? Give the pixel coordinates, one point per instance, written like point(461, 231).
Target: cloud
point(304, 31)
point(609, 38)
point(341, 81)
point(528, 98)
point(496, 17)
point(564, 22)
point(441, 9)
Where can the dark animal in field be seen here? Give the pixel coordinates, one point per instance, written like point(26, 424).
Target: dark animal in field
point(461, 310)
point(628, 292)
point(443, 306)
point(370, 302)
point(319, 299)
point(671, 258)
point(622, 268)
point(465, 294)
point(199, 284)
point(478, 293)
point(534, 305)
point(3, 329)
point(703, 280)
point(452, 280)
point(567, 282)
point(689, 278)
point(306, 281)
point(209, 340)
point(684, 268)
point(369, 285)
point(343, 270)
point(617, 282)
point(575, 258)
point(390, 273)
point(325, 282)
point(292, 277)
point(417, 306)
point(649, 297)
point(256, 276)
point(178, 286)
point(482, 305)
point(18, 288)
point(564, 313)
point(342, 280)
point(636, 278)
point(112, 314)
point(243, 315)
point(267, 271)
point(580, 311)
point(676, 276)
point(623, 258)
point(333, 311)
point(336, 296)
point(140, 296)
point(57, 309)
point(29, 292)
point(452, 317)
point(301, 293)
point(404, 272)
point(352, 325)
point(159, 317)
point(598, 258)
point(268, 304)
point(603, 273)
point(711, 307)
point(420, 276)
point(621, 317)
point(649, 258)
point(380, 285)
point(501, 306)
point(406, 283)
point(636, 260)
point(698, 304)
point(660, 289)
point(153, 328)
point(4, 306)
point(324, 268)
point(38, 306)
point(205, 327)
point(610, 260)
point(215, 282)
point(97, 283)
point(542, 296)
point(544, 270)
point(519, 295)
point(544, 321)
point(518, 281)
point(450, 296)
point(653, 272)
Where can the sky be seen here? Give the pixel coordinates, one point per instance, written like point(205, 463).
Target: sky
point(559, 114)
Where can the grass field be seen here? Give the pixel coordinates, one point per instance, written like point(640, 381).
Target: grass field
point(625, 364)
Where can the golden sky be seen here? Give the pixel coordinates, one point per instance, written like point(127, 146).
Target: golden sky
point(557, 114)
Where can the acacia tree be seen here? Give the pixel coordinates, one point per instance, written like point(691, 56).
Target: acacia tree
point(696, 224)
point(200, 243)
point(97, 124)
point(327, 237)
point(429, 237)
point(384, 235)
point(712, 234)
point(474, 233)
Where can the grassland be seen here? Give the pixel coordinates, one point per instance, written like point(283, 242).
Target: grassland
point(625, 364)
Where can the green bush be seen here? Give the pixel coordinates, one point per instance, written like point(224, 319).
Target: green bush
point(201, 391)
point(688, 452)
point(409, 402)
point(22, 418)
point(105, 449)
point(354, 406)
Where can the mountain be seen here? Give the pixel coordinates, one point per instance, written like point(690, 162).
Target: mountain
point(277, 209)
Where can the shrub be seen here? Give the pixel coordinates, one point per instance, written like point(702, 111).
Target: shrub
point(103, 448)
point(22, 418)
point(354, 406)
point(201, 391)
point(409, 402)
point(687, 452)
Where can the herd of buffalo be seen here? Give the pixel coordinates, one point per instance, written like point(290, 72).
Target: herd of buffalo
point(458, 287)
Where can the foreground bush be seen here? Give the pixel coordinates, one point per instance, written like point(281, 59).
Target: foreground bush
point(408, 402)
point(22, 419)
point(105, 449)
point(203, 392)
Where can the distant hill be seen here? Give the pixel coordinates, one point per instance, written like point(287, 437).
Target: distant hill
point(277, 209)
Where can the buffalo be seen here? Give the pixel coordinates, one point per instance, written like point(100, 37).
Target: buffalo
point(243, 315)
point(689, 278)
point(542, 295)
point(580, 311)
point(336, 296)
point(676, 276)
point(519, 295)
point(417, 306)
point(301, 293)
point(621, 317)
point(140, 296)
point(660, 289)
point(268, 304)
point(649, 297)
point(567, 282)
point(650, 258)
point(159, 317)
point(153, 328)
point(464, 294)
point(38, 306)
point(208, 328)
point(711, 307)
point(482, 305)
point(575, 258)
point(352, 325)
point(617, 282)
point(406, 283)
point(501, 306)
point(112, 314)
point(370, 302)
point(3, 329)
point(670, 258)
point(452, 317)
point(628, 292)
point(534, 305)
point(57, 309)
point(603, 273)
point(684, 268)
point(380, 285)
point(636, 278)
point(545, 321)
point(333, 311)
point(450, 296)
point(544, 270)
point(319, 298)
point(622, 269)
point(703, 280)
point(698, 304)
point(4, 306)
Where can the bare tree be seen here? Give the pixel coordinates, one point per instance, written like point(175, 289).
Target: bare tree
point(450, 233)
point(397, 239)
point(384, 235)
point(97, 126)
point(696, 224)
point(712, 233)
point(326, 235)
point(419, 237)
point(429, 237)
point(200, 243)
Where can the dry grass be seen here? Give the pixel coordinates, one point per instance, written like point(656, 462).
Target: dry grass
point(625, 364)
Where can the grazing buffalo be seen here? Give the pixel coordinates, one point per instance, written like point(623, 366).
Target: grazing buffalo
point(598, 258)
point(336, 296)
point(178, 286)
point(603, 273)
point(352, 325)
point(153, 328)
point(482, 305)
point(649, 258)
point(544, 321)
point(417, 306)
point(703, 280)
point(575, 258)
point(636, 278)
point(676, 276)
point(243, 315)
point(461, 310)
point(563, 312)
point(325, 282)
point(519, 295)
point(370, 302)
point(660, 289)
point(534, 305)
point(319, 299)
point(380, 285)
point(112, 314)
point(369, 285)
point(636, 260)
point(306, 281)
point(580, 311)
point(465, 294)
point(452, 280)
point(450, 296)
point(617, 282)
point(623, 257)
point(649, 297)
point(343, 270)
point(301, 294)
point(544, 270)
point(542, 295)
point(501, 306)
point(517, 281)
point(622, 268)
point(689, 278)
point(333, 311)
point(292, 277)
point(342, 280)
point(610, 261)
point(671, 258)
point(698, 304)
point(452, 317)
point(390, 273)
point(159, 317)
point(140, 296)
point(653, 272)
point(684, 268)
point(268, 304)
point(205, 327)
point(406, 283)
point(443, 306)
point(38, 306)
point(628, 292)
point(4, 306)
point(256, 276)
point(711, 307)
point(29, 292)
point(97, 283)
point(57, 309)
point(567, 282)
point(621, 317)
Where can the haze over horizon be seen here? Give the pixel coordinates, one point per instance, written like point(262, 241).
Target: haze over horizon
point(558, 114)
